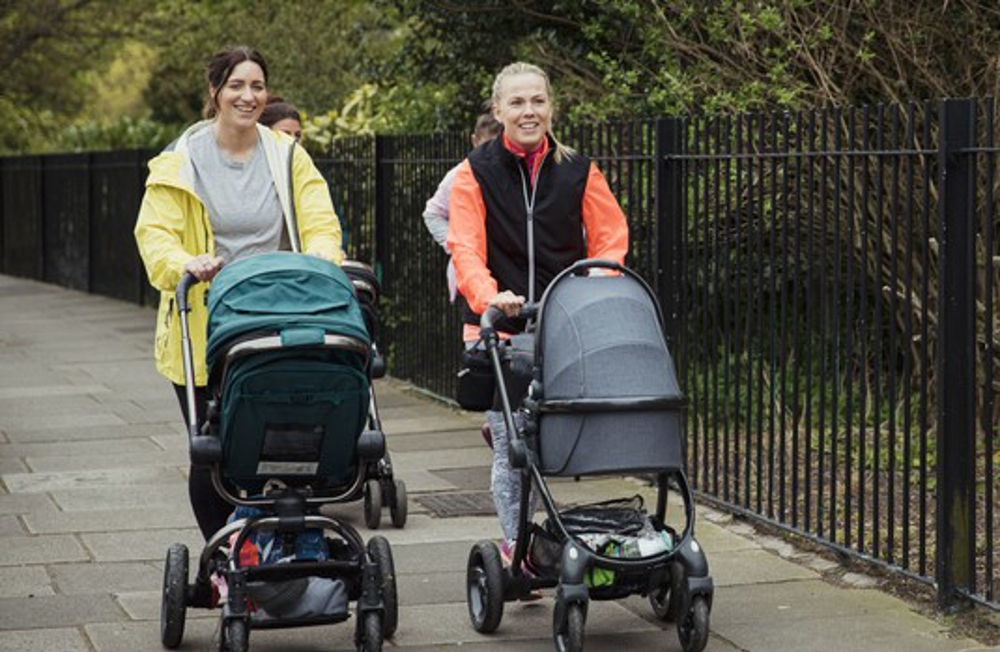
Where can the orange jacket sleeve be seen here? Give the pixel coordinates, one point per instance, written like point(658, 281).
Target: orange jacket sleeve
point(467, 239)
point(607, 229)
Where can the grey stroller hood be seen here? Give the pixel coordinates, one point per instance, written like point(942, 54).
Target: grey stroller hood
point(601, 339)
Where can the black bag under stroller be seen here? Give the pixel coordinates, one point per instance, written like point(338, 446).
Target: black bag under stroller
point(602, 399)
point(291, 426)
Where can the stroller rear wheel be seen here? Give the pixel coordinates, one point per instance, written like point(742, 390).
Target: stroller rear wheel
point(570, 639)
point(172, 607)
point(398, 508)
point(485, 587)
point(373, 504)
point(692, 630)
point(381, 553)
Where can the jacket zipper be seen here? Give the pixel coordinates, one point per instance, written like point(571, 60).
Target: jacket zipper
point(529, 205)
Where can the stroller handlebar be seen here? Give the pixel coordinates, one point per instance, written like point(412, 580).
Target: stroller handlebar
point(492, 314)
point(489, 316)
point(586, 264)
point(203, 449)
point(188, 281)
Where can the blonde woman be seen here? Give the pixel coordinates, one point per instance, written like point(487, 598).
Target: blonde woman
point(524, 182)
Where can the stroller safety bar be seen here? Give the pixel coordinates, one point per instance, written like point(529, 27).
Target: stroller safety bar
point(342, 494)
point(271, 342)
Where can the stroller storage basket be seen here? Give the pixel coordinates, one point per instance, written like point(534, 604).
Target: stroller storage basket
point(601, 342)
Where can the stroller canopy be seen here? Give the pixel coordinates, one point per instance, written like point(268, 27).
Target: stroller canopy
point(274, 291)
point(600, 338)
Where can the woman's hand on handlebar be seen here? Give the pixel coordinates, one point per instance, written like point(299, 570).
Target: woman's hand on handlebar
point(204, 267)
point(508, 302)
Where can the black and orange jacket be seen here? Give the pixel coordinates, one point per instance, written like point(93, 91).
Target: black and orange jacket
point(574, 216)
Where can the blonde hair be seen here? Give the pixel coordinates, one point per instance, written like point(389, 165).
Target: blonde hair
point(520, 68)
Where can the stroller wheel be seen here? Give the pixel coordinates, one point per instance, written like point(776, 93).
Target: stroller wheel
point(485, 587)
point(668, 600)
point(370, 632)
point(381, 554)
point(172, 607)
point(373, 504)
point(692, 630)
point(398, 508)
point(571, 638)
point(235, 636)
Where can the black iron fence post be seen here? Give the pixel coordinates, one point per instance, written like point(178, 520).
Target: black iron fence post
point(956, 356)
point(383, 194)
point(669, 207)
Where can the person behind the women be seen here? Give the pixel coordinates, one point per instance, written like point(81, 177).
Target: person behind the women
point(524, 181)
point(436, 211)
point(282, 116)
point(219, 193)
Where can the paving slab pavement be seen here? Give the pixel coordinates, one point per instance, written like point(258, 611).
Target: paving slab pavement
point(93, 489)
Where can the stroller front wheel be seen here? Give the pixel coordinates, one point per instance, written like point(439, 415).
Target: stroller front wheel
point(571, 638)
point(371, 632)
point(398, 508)
point(373, 504)
point(235, 636)
point(173, 606)
point(692, 630)
point(667, 601)
point(381, 552)
point(485, 587)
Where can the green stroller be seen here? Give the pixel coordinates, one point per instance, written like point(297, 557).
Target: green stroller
point(291, 425)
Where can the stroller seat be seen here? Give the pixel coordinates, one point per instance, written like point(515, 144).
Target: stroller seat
point(608, 397)
point(288, 351)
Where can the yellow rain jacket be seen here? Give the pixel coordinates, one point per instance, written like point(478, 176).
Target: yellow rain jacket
point(173, 227)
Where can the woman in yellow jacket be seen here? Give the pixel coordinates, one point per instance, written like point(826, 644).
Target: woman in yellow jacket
point(226, 189)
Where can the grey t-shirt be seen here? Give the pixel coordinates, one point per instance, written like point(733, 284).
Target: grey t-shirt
point(240, 198)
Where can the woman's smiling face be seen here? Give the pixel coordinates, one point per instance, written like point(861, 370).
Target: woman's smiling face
point(242, 97)
point(525, 109)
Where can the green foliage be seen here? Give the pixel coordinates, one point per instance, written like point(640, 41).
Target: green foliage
point(407, 66)
point(318, 52)
point(48, 48)
point(75, 70)
point(644, 58)
point(124, 133)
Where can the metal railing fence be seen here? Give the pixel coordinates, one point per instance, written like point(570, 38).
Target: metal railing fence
point(839, 273)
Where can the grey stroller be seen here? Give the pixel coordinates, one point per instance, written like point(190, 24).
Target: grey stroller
point(602, 399)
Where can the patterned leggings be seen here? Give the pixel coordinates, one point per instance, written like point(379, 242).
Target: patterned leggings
point(505, 481)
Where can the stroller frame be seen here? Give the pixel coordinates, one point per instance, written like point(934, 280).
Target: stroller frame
point(366, 570)
point(678, 583)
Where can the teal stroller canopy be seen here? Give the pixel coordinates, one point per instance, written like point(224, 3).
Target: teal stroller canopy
point(270, 293)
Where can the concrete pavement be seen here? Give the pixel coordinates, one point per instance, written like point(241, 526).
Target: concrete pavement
point(93, 460)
